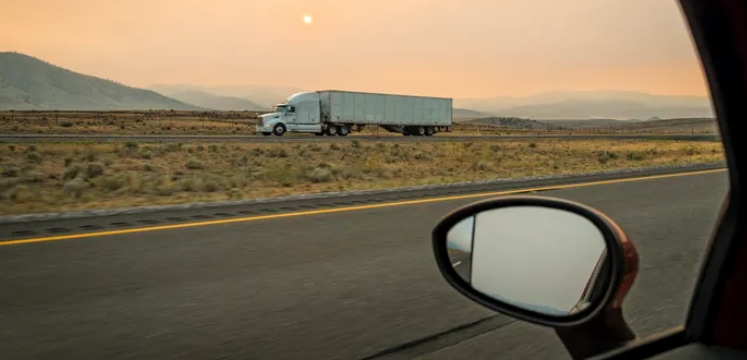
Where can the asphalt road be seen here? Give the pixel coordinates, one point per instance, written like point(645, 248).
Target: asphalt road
point(310, 138)
point(347, 285)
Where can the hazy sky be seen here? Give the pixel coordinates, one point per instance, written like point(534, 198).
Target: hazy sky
point(469, 48)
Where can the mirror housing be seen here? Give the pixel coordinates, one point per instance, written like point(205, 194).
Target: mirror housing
point(596, 327)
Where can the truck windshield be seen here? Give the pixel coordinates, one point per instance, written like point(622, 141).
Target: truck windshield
point(281, 108)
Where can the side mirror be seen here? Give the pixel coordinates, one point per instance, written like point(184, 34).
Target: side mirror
point(543, 260)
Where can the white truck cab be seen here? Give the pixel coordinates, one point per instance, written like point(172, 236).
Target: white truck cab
point(299, 113)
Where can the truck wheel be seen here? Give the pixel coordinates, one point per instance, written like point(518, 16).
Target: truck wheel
point(279, 129)
point(343, 130)
point(420, 131)
point(429, 131)
point(331, 131)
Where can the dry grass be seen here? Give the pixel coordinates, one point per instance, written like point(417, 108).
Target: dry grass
point(128, 122)
point(694, 125)
point(242, 123)
point(73, 176)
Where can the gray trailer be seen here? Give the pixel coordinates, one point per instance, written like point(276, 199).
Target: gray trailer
point(337, 113)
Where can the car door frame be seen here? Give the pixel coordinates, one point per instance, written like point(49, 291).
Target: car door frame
point(716, 317)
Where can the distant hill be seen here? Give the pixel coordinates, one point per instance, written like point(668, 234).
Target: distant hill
point(215, 102)
point(265, 96)
point(27, 83)
point(458, 113)
point(619, 105)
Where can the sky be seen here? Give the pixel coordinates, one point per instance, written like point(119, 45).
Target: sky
point(460, 49)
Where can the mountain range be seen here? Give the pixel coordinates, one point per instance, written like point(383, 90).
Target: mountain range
point(620, 105)
point(213, 101)
point(264, 96)
point(27, 83)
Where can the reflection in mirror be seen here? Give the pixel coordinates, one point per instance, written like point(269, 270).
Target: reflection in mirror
point(459, 245)
point(545, 260)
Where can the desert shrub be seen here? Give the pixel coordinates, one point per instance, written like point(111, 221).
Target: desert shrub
point(71, 172)
point(210, 185)
point(75, 187)
point(278, 153)
point(636, 156)
point(10, 171)
point(94, 170)
point(282, 175)
point(481, 166)
point(319, 175)
point(131, 145)
point(605, 156)
point(32, 176)
point(34, 157)
point(422, 156)
point(194, 164)
point(187, 184)
point(113, 183)
point(90, 156)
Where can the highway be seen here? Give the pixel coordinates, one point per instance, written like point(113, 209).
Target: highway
point(356, 283)
point(295, 138)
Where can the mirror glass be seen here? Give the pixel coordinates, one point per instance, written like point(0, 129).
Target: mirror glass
point(545, 260)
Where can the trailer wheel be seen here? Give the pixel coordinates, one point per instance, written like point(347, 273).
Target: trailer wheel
point(420, 131)
point(343, 130)
point(429, 131)
point(331, 131)
point(266, 134)
point(279, 129)
point(319, 133)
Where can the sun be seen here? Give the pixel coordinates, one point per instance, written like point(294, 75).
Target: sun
point(307, 19)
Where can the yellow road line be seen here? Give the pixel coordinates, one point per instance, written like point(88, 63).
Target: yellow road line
point(345, 209)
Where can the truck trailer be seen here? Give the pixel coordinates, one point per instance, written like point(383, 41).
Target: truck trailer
point(337, 113)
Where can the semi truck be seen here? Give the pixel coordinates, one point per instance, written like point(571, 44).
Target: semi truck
point(337, 113)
